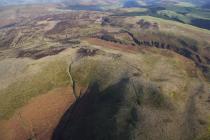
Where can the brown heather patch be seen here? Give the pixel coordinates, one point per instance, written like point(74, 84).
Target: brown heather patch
point(111, 45)
point(40, 116)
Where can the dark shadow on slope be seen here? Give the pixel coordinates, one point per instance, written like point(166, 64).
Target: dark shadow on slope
point(93, 116)
point(202, 23)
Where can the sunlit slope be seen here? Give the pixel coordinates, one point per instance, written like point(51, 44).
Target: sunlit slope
point(139, 95)
point(138, 77)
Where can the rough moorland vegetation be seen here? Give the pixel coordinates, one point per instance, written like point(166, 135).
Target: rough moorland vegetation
point(127, 77)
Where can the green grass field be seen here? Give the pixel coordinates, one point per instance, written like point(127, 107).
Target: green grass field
point(17, 94)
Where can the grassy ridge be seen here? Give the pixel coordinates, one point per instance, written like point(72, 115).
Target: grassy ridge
point(19, 93)
point(182, 12)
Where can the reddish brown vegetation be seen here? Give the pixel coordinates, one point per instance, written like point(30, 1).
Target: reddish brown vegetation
point(39, 117)
point(107, 44)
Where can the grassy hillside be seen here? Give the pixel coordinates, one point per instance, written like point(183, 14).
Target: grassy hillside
point(17, 94)
point(134, 77)
point(125, 92)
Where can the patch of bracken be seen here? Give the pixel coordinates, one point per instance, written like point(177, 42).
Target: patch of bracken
point(83, 52)
point(37, 54)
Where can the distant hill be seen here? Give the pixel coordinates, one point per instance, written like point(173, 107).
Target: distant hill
point(17, 2)
point(95, 2)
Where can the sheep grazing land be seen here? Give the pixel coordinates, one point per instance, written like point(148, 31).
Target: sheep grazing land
point(104, 70)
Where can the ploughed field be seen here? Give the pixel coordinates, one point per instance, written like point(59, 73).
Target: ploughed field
point(93, 75)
